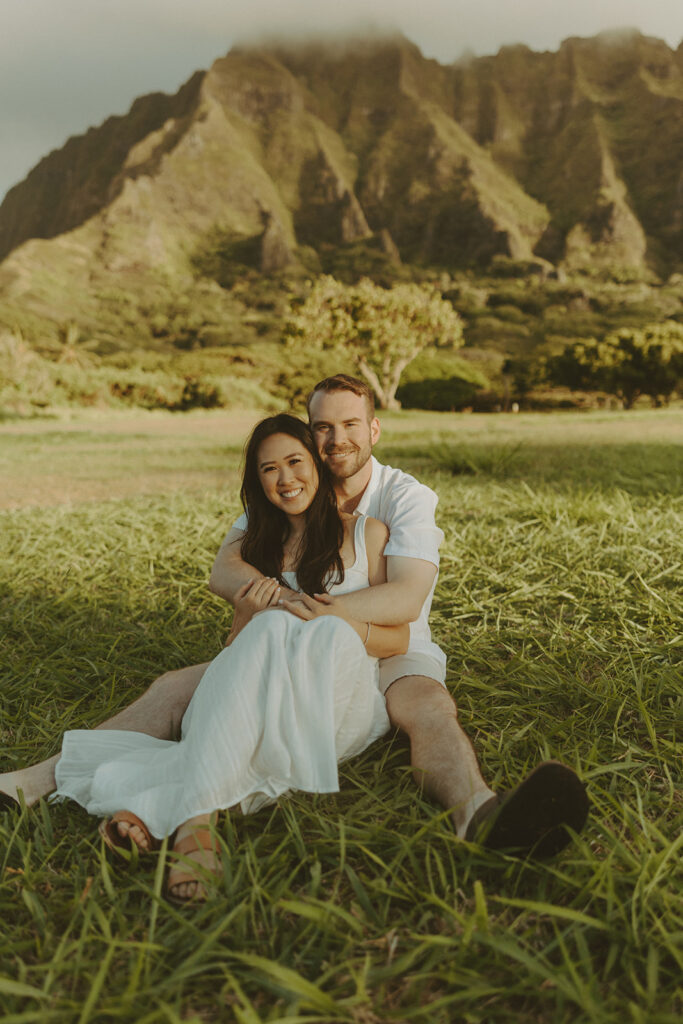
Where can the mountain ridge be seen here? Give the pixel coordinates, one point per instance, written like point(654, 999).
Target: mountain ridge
point(573, 157)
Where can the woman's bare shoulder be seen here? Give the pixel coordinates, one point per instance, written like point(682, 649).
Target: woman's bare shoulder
point(376, 536)
point(376, 533)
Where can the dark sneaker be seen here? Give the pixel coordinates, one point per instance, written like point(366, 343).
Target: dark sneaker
point(532, 819)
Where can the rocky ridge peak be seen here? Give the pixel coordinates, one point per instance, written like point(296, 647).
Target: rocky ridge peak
point(571, 156)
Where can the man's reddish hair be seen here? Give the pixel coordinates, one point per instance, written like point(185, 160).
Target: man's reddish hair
point(344, 382)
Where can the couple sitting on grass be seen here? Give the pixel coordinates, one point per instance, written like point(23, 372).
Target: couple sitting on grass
point(331, 571)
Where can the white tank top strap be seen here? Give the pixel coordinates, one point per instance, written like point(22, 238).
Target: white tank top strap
point(361, 562)
point(356, 575)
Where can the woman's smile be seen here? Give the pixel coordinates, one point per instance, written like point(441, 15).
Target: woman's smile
point(287, 473)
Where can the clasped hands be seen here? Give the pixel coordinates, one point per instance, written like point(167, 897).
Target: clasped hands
point(305, 607)
point(259, 595)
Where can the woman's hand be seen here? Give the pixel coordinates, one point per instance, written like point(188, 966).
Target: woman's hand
point(307, 608)
point(255, 596)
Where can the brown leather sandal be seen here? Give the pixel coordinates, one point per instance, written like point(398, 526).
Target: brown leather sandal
point(118, 843)
point(202, 838)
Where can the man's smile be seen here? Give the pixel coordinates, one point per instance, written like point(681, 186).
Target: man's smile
point(340, 454)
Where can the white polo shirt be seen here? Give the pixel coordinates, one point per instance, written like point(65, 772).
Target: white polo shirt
point(407, 508)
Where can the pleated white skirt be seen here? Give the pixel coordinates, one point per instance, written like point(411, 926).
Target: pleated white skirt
point(277, 710)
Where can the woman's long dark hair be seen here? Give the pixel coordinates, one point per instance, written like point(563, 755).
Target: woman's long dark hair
point(320, 563)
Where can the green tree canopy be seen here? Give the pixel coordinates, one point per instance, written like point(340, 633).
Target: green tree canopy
point(526, 372)
point(628, 363)
point(379, 329)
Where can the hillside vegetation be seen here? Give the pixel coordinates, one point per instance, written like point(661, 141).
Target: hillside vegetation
point(539, 192)
point(226, 347)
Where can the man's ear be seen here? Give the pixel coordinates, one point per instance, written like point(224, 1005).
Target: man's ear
point(375, 430)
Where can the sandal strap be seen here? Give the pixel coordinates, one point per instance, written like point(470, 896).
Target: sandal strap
point(202, 839)
point(113, 837)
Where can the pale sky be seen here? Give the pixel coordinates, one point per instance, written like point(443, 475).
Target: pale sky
point(68, 64)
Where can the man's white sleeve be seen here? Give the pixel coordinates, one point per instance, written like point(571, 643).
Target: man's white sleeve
point(409, 514)
point(239, 524)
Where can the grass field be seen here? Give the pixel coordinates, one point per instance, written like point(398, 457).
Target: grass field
point(560, 606)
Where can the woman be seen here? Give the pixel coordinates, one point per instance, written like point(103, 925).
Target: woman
point(284, 702)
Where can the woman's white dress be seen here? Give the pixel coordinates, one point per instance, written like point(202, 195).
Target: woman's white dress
point(277, 710)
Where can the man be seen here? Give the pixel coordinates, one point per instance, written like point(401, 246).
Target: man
point(533, 817)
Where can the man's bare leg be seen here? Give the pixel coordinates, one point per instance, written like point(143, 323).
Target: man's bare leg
point(444, 763)
point(534, 819)
point(158, 712)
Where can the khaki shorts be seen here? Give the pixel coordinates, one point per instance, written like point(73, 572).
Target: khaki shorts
point(413, 663)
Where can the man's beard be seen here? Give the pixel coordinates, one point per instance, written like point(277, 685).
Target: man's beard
point(356, 458)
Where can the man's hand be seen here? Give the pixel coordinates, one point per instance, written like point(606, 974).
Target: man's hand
point(379, 641)
point(254, 596)
point(305, 607)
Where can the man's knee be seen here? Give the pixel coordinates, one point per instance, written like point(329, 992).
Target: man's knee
point(174, 689)
point(413, 701)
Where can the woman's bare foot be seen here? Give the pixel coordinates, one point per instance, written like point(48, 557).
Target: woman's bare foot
point(196, 845)
point(136, 835)
point(125, 830)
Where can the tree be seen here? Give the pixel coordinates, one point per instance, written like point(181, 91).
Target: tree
point(380, 330)
point(580, 366)
point(628, 363)
point(650, 361)
point(526, 372)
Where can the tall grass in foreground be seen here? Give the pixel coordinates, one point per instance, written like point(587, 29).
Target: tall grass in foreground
point(560, 608)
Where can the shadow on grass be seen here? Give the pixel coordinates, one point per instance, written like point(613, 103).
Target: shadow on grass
point(71, 662)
